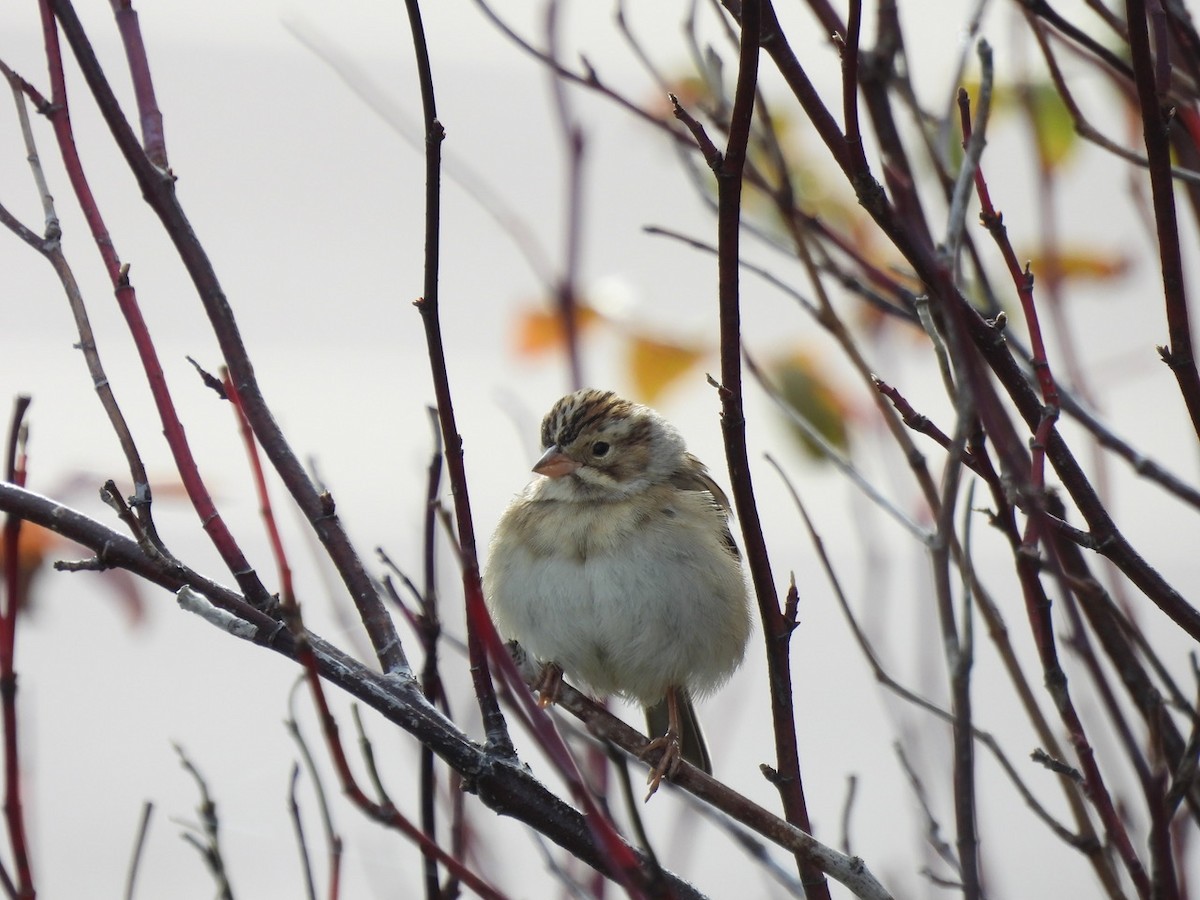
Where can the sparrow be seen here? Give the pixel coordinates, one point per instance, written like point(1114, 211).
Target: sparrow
point(616, 568)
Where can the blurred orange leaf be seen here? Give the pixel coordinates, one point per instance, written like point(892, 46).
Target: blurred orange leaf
point(806, 388)
point(655, 364)
point(540, 330)
point(37, 546)
point(33, 545)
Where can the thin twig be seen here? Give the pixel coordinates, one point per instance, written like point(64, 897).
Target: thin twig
point(428, 306)
point(118, 272)
point(139, 844)
point(733, 430)
point(298, 828)
point(574, 142)
point(158, 189)
point(206, 837)
point(333, 839)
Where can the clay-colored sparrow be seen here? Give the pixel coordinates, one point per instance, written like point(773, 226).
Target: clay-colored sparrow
point(616, 568)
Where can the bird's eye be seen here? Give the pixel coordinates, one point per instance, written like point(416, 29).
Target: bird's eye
point(600, 448)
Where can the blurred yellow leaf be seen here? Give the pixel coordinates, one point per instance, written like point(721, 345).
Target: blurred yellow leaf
point(1083, 265)
point(806, 388)
point(654, 364)
point(540, 330)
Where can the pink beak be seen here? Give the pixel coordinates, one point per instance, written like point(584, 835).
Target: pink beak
point(555, 464)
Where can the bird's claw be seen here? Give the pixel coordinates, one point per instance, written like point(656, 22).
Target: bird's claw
point(668, 763)
point(548, 684)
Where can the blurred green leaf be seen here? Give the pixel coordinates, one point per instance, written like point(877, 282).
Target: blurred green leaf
point(806, 388)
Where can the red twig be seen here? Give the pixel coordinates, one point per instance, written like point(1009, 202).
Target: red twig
point(14, 816)
point(623, 864)
point(1022, 277)
point(286, 592)
point(1023, 281)
point(118, 272)
point(924, 425)
point(384, 812)
point(158, 190)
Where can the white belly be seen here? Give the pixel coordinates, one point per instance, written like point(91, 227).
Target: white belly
point(630, 604)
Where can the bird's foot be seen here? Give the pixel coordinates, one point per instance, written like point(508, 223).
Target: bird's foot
point(548, 684)
point(668, 763)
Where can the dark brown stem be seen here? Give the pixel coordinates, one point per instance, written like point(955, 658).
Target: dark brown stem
point(118, 272)
point(1157, 115)
point(733, 429)
point(850, 83)
point(485, 694)
point(153, 140)
point(429, 631)
point(1022, 278)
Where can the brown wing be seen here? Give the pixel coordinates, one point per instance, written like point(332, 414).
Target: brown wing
point(693, 476)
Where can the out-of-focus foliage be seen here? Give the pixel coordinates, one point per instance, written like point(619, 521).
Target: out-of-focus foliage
point(655, 364)
point(1084, 264)
point(807, 388)
point(654, 361)
point(540, 329)
point(1054, 134)
point(34, 547)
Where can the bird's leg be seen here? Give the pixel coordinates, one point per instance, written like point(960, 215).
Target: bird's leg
point(548, 684)
point(669, 743)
